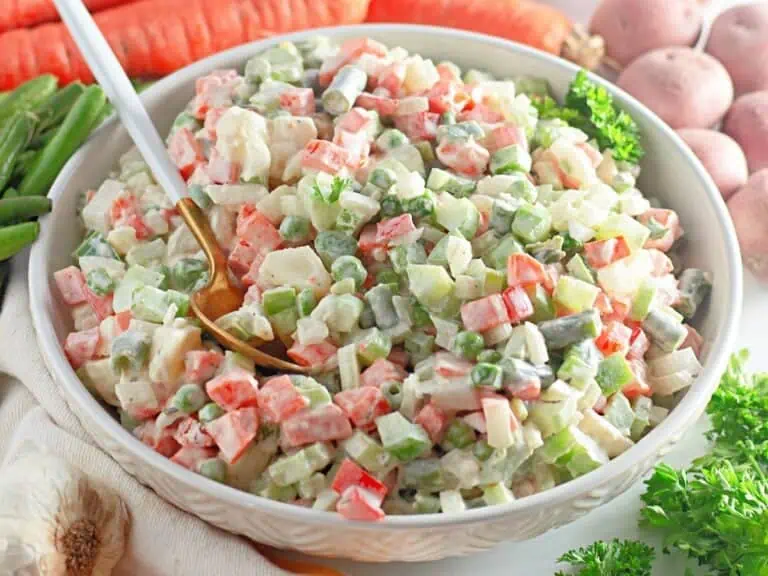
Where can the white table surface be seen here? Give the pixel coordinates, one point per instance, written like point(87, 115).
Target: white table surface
point(617, 519)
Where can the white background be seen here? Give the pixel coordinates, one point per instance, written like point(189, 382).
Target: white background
point(617, 519)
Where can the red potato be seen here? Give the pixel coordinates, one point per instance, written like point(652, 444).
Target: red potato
point(739, 39)
point(721, 156)
point(686, 88)
point(747, 123)
point(631, 28)
point(749, 210)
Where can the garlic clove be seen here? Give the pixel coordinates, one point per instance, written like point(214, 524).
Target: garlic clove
point(75, 525)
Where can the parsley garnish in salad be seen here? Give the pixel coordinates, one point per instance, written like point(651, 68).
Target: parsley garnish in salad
point(590, 107)
point(331, 194)
point(615, 558)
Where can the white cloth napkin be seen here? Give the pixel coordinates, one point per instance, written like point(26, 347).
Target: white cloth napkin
point(164, 541)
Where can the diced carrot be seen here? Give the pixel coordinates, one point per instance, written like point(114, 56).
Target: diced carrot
point(465, 157)
point(101, 305)
point(639, 386)
point(600, 253)
point(363, 405)
point(393, 228)
point(519, 305)
point(449, 365)
point(524, 270)
point(234, 431)
point(382, 371)
point(614, 338)
point(221, 170)
point(447, 96)
point(434, 420)
point(255, 228)
point(190, 432)
point(312, 354)
point(325, 156)
point(384, 105)
point(358, 504)
point(350, 474)
point(298, 101)
point(505, 135)
point(71, 284)
point(201, 365)
point(418, 126)
point(185, 151)
point(485, 313)
point(323, 424)
point(638, 344)
point(279, 399)
point(80, 347)
point(480, 113)
point(667, 219)
point(233, 390)
point(191, 456)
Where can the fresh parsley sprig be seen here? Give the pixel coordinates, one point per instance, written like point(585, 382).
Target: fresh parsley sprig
point(590, 108)
point(615, 558)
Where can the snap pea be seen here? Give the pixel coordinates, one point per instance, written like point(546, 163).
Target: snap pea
point(74, 130)
point(27, 96)
point(20, 209)
point(52, 111)
point(14, 137)
point(14, 238)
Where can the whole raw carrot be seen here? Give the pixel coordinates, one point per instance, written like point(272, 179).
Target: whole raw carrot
point(27, 13)
point(526, 21)
point(156, 37)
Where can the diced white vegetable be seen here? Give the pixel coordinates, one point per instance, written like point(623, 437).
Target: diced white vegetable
point(535, 344)
point(608, 437)
point(532, 436)
point(359, 204)
point(420, 74)
point(137, 395)
point(579, 232)
point(298, 267)
point(633, 203)
point(446, 332)
point(156, 222)
point(517, 345)
point(623, 277)
point(458, 252)
point(326, 500)
point(498, 334)
point(455, 394)
point(108, 329)
point(241, 138)
point(452, 502)
point(311, 331)
point(349, 367)
point(464, 466)
point(99, 377)
point(181, 243)
point(114, 268)
point(270, 205)
point(411, 402)
point(122, 239)
point(499, 419)
point(236, 194)
point(169, 346)
point(409, 186)
point(658, 415)
point(468, 288)
point(145, 252)
point(671, 383)
point(676, 361)
point(96, 212)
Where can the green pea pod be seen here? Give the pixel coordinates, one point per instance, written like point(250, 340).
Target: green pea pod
point(10, 193)
point(27, 96)
point(14, 138)
point(41, 140)
point(14, 238)
point(54, 109)
point(21, 209)
point(78, 124)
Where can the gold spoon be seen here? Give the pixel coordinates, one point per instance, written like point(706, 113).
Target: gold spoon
point(221, 295)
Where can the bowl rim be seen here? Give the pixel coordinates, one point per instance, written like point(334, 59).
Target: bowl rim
point(694, 401)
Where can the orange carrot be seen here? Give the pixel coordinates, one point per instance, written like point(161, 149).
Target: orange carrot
point(25, 13)
point(525, 21)
point(155, 37)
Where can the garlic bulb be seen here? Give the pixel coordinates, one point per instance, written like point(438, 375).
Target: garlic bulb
point(57, 519)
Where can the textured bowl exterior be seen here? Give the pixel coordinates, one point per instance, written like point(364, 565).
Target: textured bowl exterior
point(671, 172)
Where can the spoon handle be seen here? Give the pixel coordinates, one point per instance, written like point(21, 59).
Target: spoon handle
point(112, 78)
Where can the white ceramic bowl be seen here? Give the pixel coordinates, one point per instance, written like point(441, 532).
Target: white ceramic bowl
point(670, 172)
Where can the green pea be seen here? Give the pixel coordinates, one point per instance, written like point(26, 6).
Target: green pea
point(100, 282)
point(189, 398)
point(390, 206)
point(210, 412)
point(489, 356)
point(294, 229)
point(487, 375)
point(331, 244)
point(468, 344)
point(349, 267)
point(306, 302)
